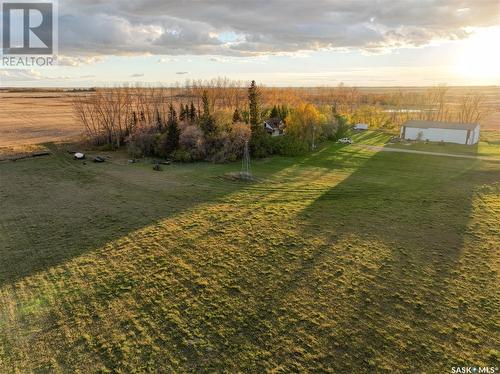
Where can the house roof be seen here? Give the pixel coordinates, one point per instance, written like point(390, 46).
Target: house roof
point(440, 125)
point(273, 122)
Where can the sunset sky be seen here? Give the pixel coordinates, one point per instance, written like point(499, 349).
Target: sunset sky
point(276, 42)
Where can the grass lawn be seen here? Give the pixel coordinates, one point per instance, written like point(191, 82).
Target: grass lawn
point(345, 260)
point(489, 145)
point(482, 149)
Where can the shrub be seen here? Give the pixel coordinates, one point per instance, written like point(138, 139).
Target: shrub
point(343, 129)
point(261, 144)
point(182, 155)
point(99, 139)
point(214, 147)
point(329, 131)
point(191, 141)
point(162, 148)
point(142, 143)
point(239, 135)
point(106, 148)
point(234, 143)
point(288, 145)
point(223, 119)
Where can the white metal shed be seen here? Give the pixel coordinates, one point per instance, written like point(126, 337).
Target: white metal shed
point(435, 131)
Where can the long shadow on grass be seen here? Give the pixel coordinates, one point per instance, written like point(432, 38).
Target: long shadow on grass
point(409, 214)
point(362, 298)
point(355, 290)
point(55, 209)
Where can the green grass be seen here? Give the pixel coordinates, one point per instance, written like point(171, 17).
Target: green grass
point(492, 137)
point(482, 149)
point(489, 146)
point(345, 260)
point(377, 138)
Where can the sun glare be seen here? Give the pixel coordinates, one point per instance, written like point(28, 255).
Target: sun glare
point(479, 55)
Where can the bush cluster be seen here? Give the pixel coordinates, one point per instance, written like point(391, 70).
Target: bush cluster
point(205, 139)
point(187, 133)
point(216, 138)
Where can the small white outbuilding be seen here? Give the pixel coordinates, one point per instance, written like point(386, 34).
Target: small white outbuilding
point(435, 131)
point(361, 127)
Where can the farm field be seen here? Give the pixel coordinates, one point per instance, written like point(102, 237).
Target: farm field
point(36, 117)
point(344, 260)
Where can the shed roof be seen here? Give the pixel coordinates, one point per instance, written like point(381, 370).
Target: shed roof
point(440, 125)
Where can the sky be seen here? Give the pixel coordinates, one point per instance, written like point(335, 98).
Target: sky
point(276, 42)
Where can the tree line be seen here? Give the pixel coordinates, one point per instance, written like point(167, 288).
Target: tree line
point(212, 120)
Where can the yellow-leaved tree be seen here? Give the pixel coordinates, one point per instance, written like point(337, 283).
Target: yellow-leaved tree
point(306, 122)
point(373, 116)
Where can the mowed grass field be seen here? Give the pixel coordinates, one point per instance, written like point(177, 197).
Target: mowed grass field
point(345, 260)
point(489, 146)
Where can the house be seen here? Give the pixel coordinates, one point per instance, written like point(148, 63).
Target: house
point(274, 126)
point(435, 131)
point(361, 127)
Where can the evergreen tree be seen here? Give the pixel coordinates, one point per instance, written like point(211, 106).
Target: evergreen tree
point(253, 100)
point(158, 121)
point(192, 113)
point(246, 116)
point(171, 142)
point(258, 142)
point(207, 122)
point(283, 112)
point(182, 115)
point(206, 104)
point(342, 127)
point(275, 112)
point(236, 116)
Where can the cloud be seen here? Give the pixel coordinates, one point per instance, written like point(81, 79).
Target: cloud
point(167, 59)
point(221, 59)
point(182, 72)
point(78, 60)
point(219, 28)
point(137, 75)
